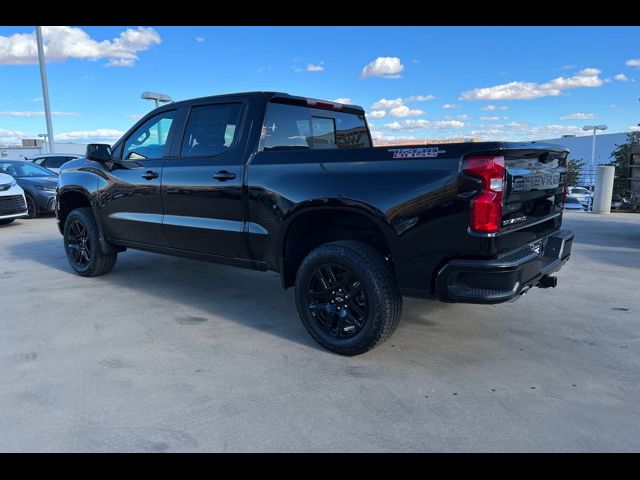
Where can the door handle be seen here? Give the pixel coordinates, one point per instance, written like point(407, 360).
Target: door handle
point(149, 175)
point(223, 175)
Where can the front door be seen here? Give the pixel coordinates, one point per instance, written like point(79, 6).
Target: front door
point(202, 183)
point(131, 198)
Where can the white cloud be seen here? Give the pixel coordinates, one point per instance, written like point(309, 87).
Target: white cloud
point(489, 119)
point(634, 62)
point(386, 67)
point(621, 77)
point(588, 77)
point(90, 135)
point(448, 106)
point(61, 43)
point(419, 98)
point(385, 104)
point(578, 116)
point(491, 108)
point(11, 136)
point(377, 113)
point(404, 111)
point(634, 128)
point(135, 116)
point(345, 100)
point(463, 116)
point(315, 68)
point(421, 123)
point(38, 114)
point(200, 39)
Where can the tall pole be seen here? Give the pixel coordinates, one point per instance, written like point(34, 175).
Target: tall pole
point(45, 88)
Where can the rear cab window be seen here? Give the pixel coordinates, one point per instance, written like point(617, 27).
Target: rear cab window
point(293, 127)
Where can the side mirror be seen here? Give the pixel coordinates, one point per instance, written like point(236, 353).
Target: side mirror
point(99, 152)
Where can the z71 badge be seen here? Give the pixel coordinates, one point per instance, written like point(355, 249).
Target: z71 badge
point(421, 152)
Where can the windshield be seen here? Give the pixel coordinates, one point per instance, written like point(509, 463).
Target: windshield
point(24, 169)
point(571, 200)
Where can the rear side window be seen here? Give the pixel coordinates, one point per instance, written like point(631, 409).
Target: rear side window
point(290, 127)
point(211, 129)
point(54, 162)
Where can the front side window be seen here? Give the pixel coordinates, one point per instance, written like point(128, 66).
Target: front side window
point(211, 129)
point(150, 139)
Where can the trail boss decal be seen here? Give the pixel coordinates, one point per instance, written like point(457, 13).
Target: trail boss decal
point(422, 152)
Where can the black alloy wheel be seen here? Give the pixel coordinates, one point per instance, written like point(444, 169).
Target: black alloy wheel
point(79, 243)
point(337, 300)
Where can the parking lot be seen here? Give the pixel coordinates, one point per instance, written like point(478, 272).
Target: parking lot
point(169, 354)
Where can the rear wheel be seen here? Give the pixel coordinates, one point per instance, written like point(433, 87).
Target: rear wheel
point(347, 297)
point(82, 245)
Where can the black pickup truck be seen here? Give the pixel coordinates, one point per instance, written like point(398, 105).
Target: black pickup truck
point(270, 181)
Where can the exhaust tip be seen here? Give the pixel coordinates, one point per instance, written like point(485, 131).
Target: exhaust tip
point(547, 281)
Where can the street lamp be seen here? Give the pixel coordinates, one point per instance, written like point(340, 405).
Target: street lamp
point(593, 144)
point(158, 97)
point(44, 135)
point(45, 88)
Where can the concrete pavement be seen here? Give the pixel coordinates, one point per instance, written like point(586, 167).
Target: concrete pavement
point(169, 354)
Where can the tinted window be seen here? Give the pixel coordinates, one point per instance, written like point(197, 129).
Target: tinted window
point(38, 161)
point(351, 131)
point(571, 200)
point(295, 127)
point(211, 129)
point(54, 162)
point(150, 139)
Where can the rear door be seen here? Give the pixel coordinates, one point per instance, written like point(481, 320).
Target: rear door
point(202, 181)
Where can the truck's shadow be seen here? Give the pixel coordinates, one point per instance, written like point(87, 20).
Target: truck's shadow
point(251, 298)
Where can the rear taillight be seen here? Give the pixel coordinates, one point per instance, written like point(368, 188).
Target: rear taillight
point(485, 210)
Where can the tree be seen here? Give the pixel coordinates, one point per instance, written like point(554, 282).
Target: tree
point(621, 162)
point(574, 167)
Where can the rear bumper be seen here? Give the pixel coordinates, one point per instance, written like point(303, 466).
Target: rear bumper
point(506, 277)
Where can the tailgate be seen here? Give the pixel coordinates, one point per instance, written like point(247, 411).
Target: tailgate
point(535, 184)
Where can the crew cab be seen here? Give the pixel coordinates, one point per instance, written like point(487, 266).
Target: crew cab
point(271, 181)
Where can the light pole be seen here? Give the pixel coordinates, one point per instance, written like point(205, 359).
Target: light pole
point(45, 88)
point(595, 128)
point(45, 136)
point(158, 98)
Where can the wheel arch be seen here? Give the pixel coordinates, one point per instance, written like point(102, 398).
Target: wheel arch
point(313, 225)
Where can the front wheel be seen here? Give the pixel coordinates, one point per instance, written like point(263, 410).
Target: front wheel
point(31, 207)
point(82, 245)
point(347, 297)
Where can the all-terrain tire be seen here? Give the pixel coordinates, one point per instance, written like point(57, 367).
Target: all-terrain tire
point(93, 262)
point(377, 282)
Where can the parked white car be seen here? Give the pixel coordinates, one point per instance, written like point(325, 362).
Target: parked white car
point(581, 193)
point(573, 203)
point(12, 201)
point(53, 161)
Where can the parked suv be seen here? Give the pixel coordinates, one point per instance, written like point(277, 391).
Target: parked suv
point(270, 181)
point(53, 161)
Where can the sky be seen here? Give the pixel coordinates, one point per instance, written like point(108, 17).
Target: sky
point(489, 83)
